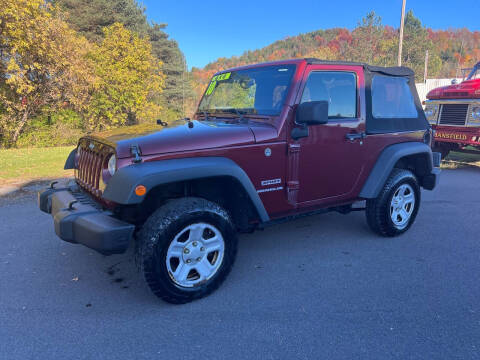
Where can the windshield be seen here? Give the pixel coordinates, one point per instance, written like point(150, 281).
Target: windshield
point(475, 72)
point(259, 91)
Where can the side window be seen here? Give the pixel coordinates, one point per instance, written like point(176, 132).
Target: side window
point(392, 98)
point(338, 88)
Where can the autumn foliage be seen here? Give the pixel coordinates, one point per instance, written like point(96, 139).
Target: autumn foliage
point(48, 70)
point(370, 42)
point(72, 66)
point(127, 80)
point(43, 65)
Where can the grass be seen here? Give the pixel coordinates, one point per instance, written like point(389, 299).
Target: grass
point(22, 165)
point(457, 160)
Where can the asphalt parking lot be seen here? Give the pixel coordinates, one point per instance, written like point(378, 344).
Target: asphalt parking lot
point(322, 287)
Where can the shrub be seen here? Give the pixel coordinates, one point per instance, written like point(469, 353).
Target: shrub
point(60, 129)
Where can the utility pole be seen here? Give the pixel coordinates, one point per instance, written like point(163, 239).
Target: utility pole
point(426, 67)
point(400, 42)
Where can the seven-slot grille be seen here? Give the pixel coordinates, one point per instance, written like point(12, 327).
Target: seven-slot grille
point(453, 114)
point(91, 163)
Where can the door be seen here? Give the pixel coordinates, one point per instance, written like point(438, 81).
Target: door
point(330, 159)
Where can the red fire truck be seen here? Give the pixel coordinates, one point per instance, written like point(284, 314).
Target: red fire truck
point(454, 113)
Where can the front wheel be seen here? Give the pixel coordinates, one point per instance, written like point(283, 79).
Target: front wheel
point(186, 249)
point(396, 207)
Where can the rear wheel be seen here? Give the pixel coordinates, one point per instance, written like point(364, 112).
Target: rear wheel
point(187, 248)
point(396, 207)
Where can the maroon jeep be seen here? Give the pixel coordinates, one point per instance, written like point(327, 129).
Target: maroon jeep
point(268, 142)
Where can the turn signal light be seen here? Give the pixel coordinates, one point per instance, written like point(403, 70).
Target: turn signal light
point(140, 190)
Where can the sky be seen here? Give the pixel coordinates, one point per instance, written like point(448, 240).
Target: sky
point(206, 29)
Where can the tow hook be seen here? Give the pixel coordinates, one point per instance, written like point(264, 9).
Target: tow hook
point(70, 205)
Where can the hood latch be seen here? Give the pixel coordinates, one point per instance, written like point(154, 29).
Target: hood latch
point(135, 151)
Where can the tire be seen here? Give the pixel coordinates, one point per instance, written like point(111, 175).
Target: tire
point(384, 214)
point(177, 239)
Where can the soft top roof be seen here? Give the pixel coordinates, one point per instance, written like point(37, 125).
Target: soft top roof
point(391, 71)
point(381, 125)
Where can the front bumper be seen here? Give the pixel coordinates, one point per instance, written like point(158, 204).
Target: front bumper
point(80, 220)
point(461, 135)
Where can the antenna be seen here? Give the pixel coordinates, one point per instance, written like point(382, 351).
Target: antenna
point(184, 65)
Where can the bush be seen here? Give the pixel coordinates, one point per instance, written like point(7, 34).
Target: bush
point(169, 115)
point(60, 129)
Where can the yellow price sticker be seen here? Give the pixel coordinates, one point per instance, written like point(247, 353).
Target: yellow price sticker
point(221, 77)
point(211, 87)
point(213, 83)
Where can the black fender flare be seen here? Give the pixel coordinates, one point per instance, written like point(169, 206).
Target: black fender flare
point(387, 160)
point(70, 163)
point(121, 187)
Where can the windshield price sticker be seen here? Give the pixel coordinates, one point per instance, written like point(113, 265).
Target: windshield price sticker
point(216, 78)
point(221, 77)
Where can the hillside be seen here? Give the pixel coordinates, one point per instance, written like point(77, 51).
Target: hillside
point(371, 42)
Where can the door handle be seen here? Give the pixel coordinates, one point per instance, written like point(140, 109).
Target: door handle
point(355, 136)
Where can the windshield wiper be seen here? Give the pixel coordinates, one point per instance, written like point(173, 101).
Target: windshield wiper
point(237, 112)
point(205, 114)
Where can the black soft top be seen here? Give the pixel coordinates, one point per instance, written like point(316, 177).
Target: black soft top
point(392, 70)
point(385, 125)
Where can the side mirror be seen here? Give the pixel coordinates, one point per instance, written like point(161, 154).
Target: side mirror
point(312, 113)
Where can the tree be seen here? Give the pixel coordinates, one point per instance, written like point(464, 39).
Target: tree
point(42, 65)
point(367, 38)
point(324, 53)
point(90, 17)
point(128, 82)
point(416, 43)
point(177, 88)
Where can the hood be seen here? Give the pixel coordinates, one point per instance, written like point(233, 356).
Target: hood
point(466, 89)
point(176, 137)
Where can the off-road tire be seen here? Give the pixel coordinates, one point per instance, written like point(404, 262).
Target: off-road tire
point(159, 231)
point(378, 209)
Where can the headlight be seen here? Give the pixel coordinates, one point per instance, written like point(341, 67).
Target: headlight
point(474, 119)
point(112, 165)
point(476, 113)
point(431, 112)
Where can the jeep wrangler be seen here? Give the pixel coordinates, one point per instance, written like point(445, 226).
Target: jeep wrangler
point(268, 142)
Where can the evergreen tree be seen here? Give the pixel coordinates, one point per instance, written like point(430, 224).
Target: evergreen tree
point(90, 17)
point(177, 88)
point(415, 45)
point(367, 38)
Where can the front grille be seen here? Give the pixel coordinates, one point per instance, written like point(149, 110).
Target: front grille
point(90, 165)
point(454, 114)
